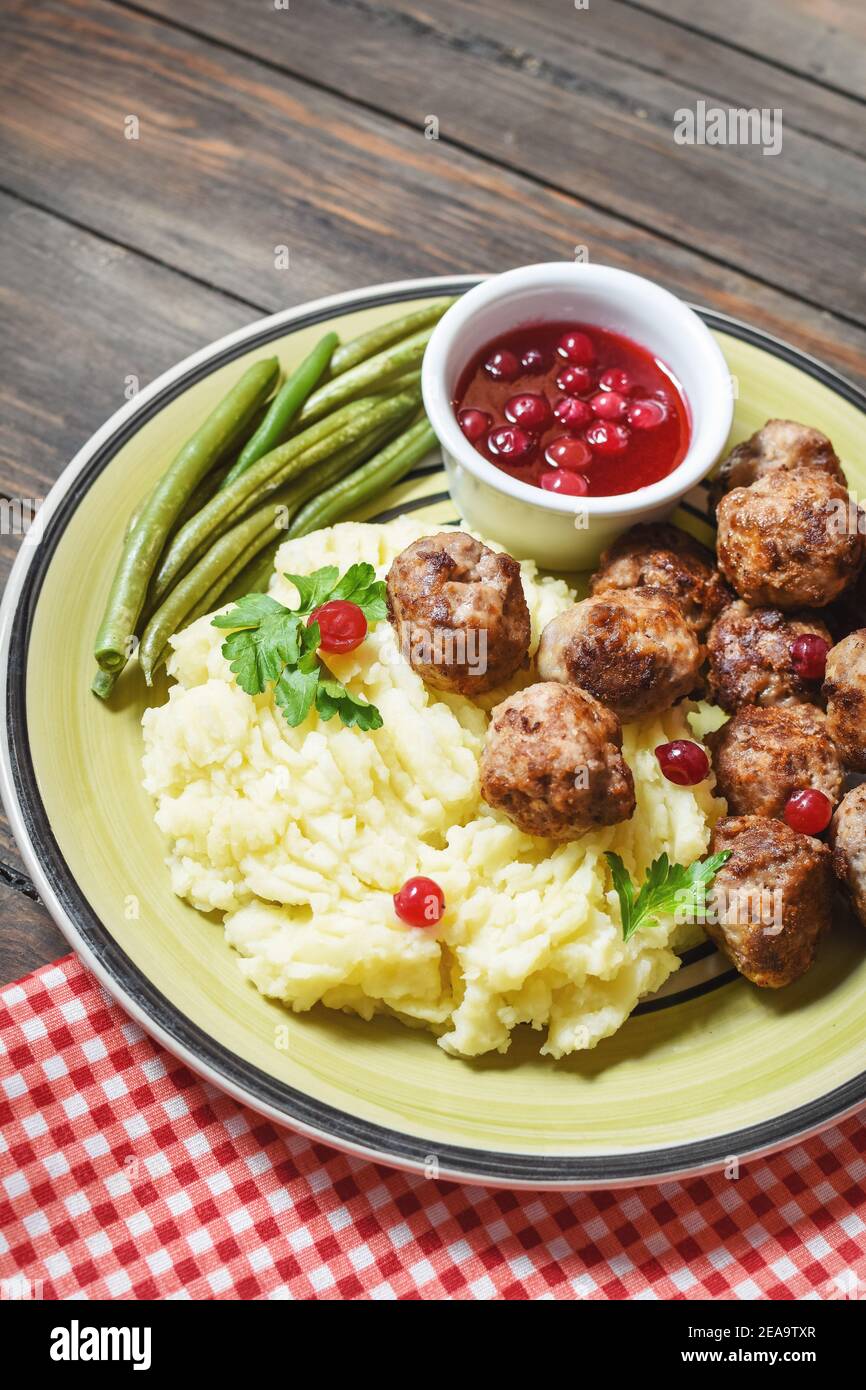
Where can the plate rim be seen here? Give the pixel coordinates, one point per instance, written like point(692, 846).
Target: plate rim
point(153, 1011)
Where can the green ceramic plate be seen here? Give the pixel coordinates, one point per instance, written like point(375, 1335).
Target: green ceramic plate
point(711, 1069)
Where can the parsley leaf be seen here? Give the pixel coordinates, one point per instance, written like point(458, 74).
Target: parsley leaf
point(248, 612)
point(314, 588)
point(332, 698)
point(270, 644)
point(359, 585)
point(667, 888)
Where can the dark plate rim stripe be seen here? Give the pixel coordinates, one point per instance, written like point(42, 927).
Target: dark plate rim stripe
point(248, 1082)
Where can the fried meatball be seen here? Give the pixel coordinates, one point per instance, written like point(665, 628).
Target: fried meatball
point(772, 898)
point(459, 612)
point(664, 557)
point(630, 648)
point(780, 445)
point(552, 763)
point(845, 689)
point(848, 841)
point(787, 541)
point(761, 756)
point(750, 659)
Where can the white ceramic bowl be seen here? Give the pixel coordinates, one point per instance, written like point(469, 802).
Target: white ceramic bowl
point(569, 533)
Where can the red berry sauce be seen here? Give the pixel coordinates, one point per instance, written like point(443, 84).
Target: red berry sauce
point(544, 382)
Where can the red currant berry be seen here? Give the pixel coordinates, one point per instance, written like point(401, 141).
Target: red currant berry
point(576, 347)
point(474, 423)
point(511, 443)
point(502, 365)
point(420, 902)
point(646, 415)
point(616, 379)
point(683, 762)
point(566, 452)
point(529, 410)
point(342, 625)
point(607, 437)
point(572, 413)
point(567, 484)
point(609, 405)
point(575, 381)
point(809, 656)
point(533, 360)
point(808, 811)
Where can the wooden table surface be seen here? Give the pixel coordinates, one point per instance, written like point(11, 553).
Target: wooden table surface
point(306, 123)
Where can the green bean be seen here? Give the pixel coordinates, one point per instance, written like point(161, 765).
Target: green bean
point(386, 467)
point(172, 614)
point(197, 591)
point(104, 682)
point(369, 375)
point(284, 407)
point(208, 485)
point(255, 577)
point(410, 381)
point(268, 472)
point(142, 549)
point(316, 480)
point(211, 599)
point(389, 412)
point(366, 344)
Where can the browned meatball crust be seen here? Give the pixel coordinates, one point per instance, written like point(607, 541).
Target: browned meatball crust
point(845, 689)
point(848, 840)
point(459, 612)
point(750, 659)
point(664, 557)
point(787, 542)
point(778, 445)
point(761, 756)
point(552, 763)
point(631, 649)
point(772, 897)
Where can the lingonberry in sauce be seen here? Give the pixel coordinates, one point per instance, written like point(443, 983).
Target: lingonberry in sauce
point(630, 451)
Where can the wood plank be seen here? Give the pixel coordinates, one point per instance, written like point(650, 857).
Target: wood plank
point(78, 316)
point(824, 39)
point(706, 67)
point(584, 122)
point(551, 41)
point(29, 939)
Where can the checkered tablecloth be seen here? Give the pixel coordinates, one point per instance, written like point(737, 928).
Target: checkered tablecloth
point(124, 1176)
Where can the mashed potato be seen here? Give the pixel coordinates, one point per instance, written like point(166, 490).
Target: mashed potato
point(299, 837)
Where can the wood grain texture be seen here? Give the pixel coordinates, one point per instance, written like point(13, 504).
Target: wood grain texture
point(234, 160)
point(824, 39)
point(79, 315)
point(550, 41)
point(529, 90)
point(28, 937)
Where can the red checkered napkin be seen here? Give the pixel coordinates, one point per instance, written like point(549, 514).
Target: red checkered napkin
point(124, 1176)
